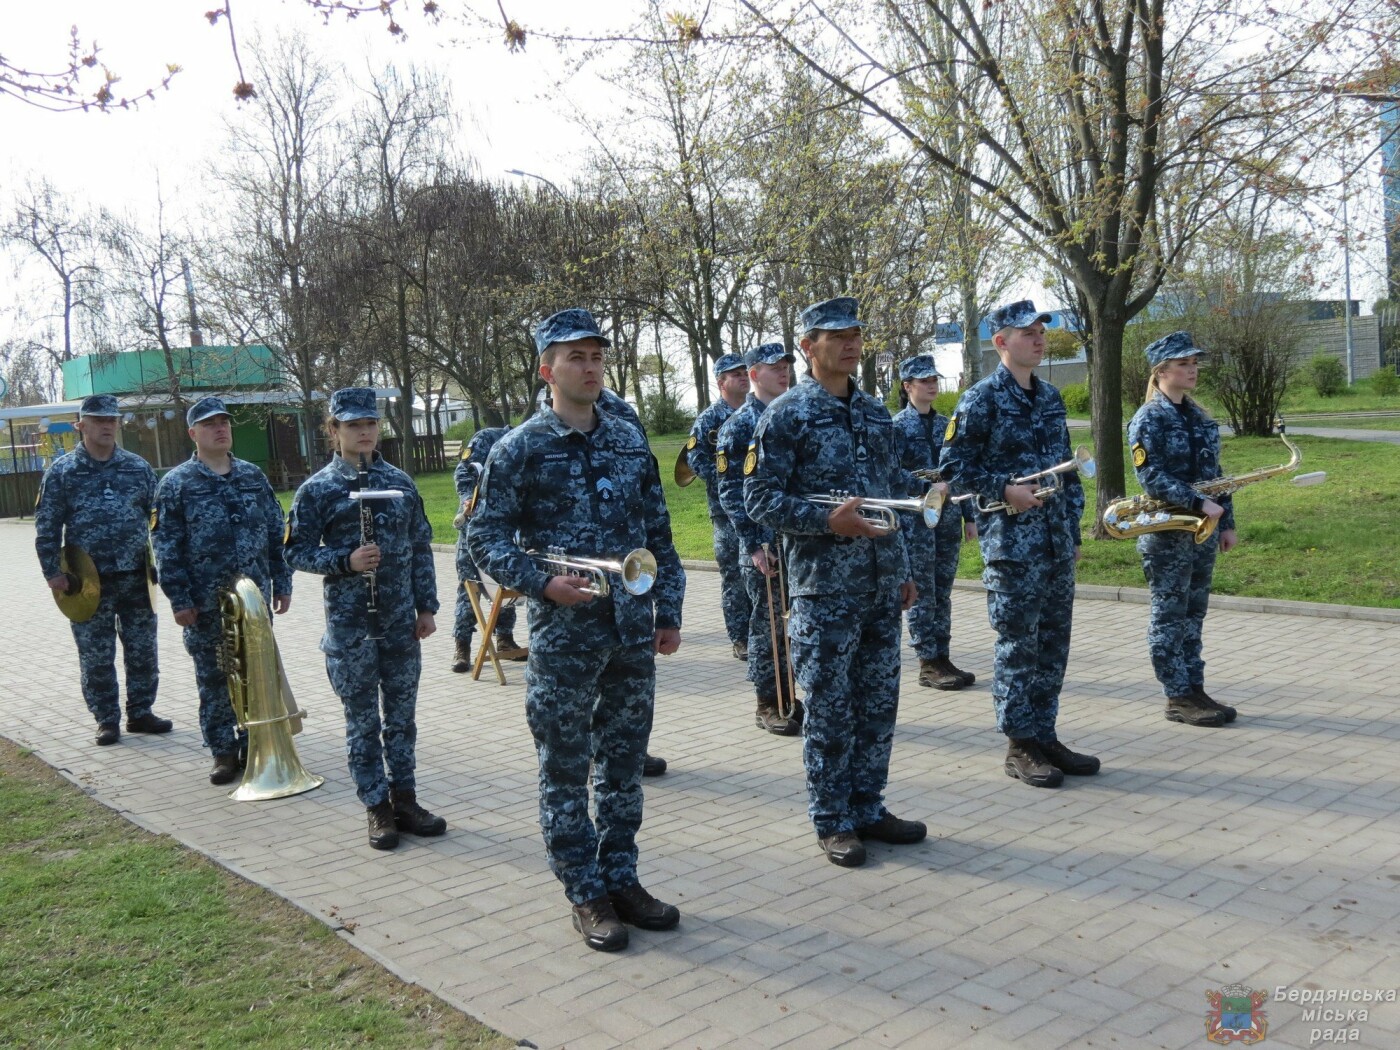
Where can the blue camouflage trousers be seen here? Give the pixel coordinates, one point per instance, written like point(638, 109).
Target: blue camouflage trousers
point(463, 621)
point(1179, 573)
point(845, 648)
point(1031, 607)
point(933, 564)
point(761, 633)
point(734, 600)
point(124, 611)
point(592, 706)
point(217, 723)
point(370, 676)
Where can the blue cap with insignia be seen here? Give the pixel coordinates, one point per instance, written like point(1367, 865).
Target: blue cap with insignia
point(354, 402)
point(99, 405)
point(205, 408)
point(1020, 314)
point(920, 367)
point(728, 363)
point(832, 315)
point(565, 326)
point(1170, 347)
point(767, 354)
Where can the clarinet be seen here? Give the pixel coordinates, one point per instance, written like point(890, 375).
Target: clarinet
point(373, 631)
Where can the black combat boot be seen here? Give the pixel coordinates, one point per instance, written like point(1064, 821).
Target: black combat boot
point(652, 766)
point(108, 733)
point(225, 768)
point(891, 829)
point(382, 833)
point(1192, 711)
point(462, 657)
point(636, 907)
point(150, 722)
point(1026, 761)
point(1225, 709)
point(1067, 761)
point(411, 818)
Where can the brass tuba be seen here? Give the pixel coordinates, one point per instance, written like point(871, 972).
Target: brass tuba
point(1142, 514)
point(261, 697)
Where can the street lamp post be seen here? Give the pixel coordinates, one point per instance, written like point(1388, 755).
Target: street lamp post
point(532, 175)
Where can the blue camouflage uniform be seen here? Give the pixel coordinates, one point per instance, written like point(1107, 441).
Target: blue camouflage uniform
point(701, 454)
point(464, 478)
point(209, 529)
point(105, 508)
point(1174, 447)
point(845, 614)
point(933, 553)
point(734, 442)
point(590, 681)
point(323, 530)
point(998, 432)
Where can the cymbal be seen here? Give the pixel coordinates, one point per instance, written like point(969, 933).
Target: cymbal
point(79, 602)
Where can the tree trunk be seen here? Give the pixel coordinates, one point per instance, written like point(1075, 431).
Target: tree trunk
point(1106, 401)
point(972, 334)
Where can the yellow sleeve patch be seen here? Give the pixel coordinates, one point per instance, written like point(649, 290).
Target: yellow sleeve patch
point(751, 461)
point(952, 430)
point(721, 463)
point(1139, 455)
point(466, 451)
point(287, 534)
point(155, 517)
point(691, 443)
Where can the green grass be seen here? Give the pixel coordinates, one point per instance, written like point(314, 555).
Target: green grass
point(1330, 543)
point(1301, 399)
point(113, 937)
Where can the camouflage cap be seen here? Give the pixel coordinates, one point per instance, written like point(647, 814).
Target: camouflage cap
point(1169, 347)
point(354, 402)
point(567, 325)
point(205, 408)
point(920, 367)
point(1021, 314)
point(728, 363)
point(99, 405)
point(767, 354)
point(832, 315)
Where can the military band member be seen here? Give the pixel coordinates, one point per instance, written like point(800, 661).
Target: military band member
point(1175, 444)
point(733, 381)
point(216, 519)
point(583, 480)
point(98, 497)
point(325, 536)
point(770, 368)
point(849, 579)
point(465, 478)
point(933, 556)
point(1010, 425)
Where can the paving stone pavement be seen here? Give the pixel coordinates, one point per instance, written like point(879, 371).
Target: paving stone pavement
point(1266, 853)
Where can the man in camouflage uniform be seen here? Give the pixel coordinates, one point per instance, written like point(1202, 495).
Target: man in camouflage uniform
point(849, 579)
point(216, 519)
point(584, 481)
point(465, 477)
point(933, 556)
point(769, 371)
point(99, 497)
point(1011, 425)
point(325, 536)
point(733, 381)
point(1175, 444)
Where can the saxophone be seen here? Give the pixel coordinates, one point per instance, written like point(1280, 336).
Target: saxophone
point(1141, 514)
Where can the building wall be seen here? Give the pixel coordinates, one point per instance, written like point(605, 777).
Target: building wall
point(144, 371)
point(1330, 337)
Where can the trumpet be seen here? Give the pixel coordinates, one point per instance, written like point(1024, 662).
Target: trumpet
point(938, 499)
point(881, 512)
point(1082, 461)
point(637, 569)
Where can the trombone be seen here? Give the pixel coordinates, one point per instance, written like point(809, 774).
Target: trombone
point(787, 701)
point(1082, 461)
point(637, 569)
point(881, 512)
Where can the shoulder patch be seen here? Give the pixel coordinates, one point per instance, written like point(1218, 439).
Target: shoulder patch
point(721, 463)
point(466, 451)
point(691, 443)
point(751, 460)
point(1139, 455)
point(952, 430)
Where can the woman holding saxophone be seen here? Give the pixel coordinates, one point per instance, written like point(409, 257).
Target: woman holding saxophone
point(1175, 445)
point(359, 522)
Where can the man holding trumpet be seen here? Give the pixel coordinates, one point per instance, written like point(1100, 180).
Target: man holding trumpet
point(848, 575)
point(1007, 428)
point(581, 484)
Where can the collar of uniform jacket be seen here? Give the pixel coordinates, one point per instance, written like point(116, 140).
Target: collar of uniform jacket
point(349, 470)
point(551, 419)
point(1005, 378)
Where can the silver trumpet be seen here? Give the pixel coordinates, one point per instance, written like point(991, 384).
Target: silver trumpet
point(938, 500)
point(881, 512)
point(1082, 461)
point(637, 569)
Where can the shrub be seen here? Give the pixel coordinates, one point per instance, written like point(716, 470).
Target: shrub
point(1076, 397)
point(462, 430)
point(1385, 382)
point(664, 415)
point(1327, 374)
point(946, 402)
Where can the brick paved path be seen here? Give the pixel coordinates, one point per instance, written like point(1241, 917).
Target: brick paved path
point(1266, 853)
